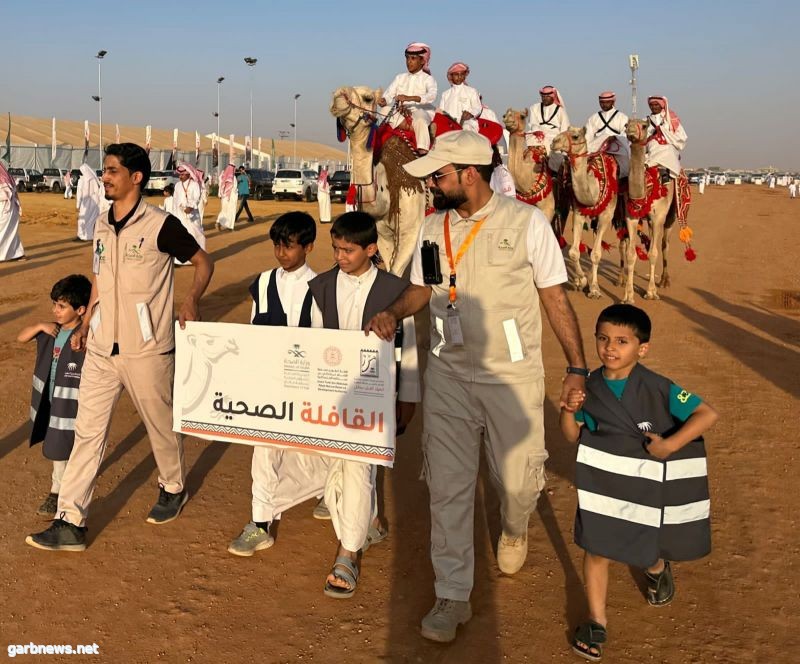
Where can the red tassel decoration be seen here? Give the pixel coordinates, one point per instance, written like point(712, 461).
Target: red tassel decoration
point(641, 253)
point(689, 254)
point(561, 242)
point(341, 134)
point(582, 248)
point(622, 233)
point(606, 246)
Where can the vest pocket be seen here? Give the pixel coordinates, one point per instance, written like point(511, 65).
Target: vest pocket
point(145, 326)
point(94, 321)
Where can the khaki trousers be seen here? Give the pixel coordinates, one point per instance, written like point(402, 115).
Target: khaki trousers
point(456, 414)
point(148, 380)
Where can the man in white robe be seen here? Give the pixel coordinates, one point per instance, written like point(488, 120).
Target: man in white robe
point(609, 123)
point(229, 198)
point(90, 200)
point(324, 196)
point(67, 184)
point(10, 209)
point(546, 120)
point(188, 199)
point(461, 101)
point(667, 137)
point(416, 90)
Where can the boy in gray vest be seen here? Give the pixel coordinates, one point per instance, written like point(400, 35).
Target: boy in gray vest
point(641, 472)
point(56, 379)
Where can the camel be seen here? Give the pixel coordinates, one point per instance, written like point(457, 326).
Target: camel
point(206, 350)
point(531, 175)
point(387, 192)
point(649, 198)
point(594, 194)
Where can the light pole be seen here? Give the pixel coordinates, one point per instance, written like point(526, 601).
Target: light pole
point(296, 97)
point(251, 62)
point(216, 115)
point(99, 98)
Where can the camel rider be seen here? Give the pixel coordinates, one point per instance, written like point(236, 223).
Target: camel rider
point(607, 123)
point(666, 137)
point(547, 120)
point(461, 102)
point(416, 90)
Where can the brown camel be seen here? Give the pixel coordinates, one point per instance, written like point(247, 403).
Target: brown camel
point(591, 197)
point(528, 166)
point(386, 191)
point(660, 216)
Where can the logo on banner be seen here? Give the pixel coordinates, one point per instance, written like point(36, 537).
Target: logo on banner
point(332, 356)
point(296, 351)
point(369, 363)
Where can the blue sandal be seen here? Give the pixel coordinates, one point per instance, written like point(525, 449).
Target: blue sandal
point(346, 570)
point(590, 636)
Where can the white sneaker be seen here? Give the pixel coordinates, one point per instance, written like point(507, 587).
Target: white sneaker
point(511, 553)
point(321, 511)
point(444, 618)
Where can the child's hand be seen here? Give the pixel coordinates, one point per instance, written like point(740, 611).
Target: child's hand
point(50, 328)
point(658, 447)
point(575, 399)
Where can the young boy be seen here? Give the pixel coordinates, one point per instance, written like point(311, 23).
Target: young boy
point(169, 200)
point(416, 90)
point(56, 379)
point(348, 296)
point(283, 478)
point(641, 472)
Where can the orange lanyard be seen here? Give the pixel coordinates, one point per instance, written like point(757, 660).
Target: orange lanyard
point(461, 251)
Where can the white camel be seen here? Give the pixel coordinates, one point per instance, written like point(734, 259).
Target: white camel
point(386, 191)
point(594, 194)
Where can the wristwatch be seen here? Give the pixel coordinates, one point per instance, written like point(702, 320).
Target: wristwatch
point(578, 370)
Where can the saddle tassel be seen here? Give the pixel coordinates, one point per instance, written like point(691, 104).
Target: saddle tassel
point(341, 133)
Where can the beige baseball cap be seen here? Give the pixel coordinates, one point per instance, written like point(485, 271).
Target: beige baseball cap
point(454, 147)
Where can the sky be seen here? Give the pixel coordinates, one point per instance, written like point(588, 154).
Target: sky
point(731, 70)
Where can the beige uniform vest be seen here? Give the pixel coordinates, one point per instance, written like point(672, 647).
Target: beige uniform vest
point(135, 286)
point(497, 300)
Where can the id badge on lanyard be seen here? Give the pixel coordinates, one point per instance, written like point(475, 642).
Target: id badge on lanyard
point(455, 334)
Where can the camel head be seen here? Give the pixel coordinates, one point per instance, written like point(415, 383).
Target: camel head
point(636, 131)
point(351, 104)
point(572, 141)
point(212, 348)
point(515, 120)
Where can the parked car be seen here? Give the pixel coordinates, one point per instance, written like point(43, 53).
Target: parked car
point(340, 183)
point(53, 179)
point(158, 180)
point(295, 183)
point(694, 177)
point(27, 179)
point(260, 183)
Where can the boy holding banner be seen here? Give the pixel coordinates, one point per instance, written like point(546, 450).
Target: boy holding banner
point(348, 296)
point(283, 478)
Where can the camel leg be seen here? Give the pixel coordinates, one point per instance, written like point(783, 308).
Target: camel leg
point(664, 281)
point(412, 213)
point(579, 280)
point(386, 242)
point(630, 259)
point(603, 224)
point(656, 236)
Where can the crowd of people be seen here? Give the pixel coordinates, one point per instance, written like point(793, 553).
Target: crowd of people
point(485, 267)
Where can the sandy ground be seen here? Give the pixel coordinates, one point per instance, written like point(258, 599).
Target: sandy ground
point(728, 329)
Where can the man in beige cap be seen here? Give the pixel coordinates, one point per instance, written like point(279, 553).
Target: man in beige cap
point(485, 377)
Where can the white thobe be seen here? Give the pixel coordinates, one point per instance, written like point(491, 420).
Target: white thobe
point(91, 202)
point(189, 195)
point(284, 478)
point(10, 244)
point(350, 485)
point(551, 121)
point(68, 185)
point(701, 186)
point(324, 200)
point(227, 210)
point(418, 84)
point(607, 124)
point(502, 182)
point(460, 98)
point(666, 154)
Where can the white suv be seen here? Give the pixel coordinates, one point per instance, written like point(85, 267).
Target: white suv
point(297, 183)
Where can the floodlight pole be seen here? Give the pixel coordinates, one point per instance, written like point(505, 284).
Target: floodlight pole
point(633, 61)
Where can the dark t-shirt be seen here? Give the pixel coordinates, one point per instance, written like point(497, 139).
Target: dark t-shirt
point(173, 238)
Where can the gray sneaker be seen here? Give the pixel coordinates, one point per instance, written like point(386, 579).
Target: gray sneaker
point(444, 618)
point(321, 511)
point(49, 507)
point(251, 539)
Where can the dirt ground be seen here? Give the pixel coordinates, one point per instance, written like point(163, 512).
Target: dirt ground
point(728, 329)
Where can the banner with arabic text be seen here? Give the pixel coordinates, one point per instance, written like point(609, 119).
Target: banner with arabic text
point(316, 390)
